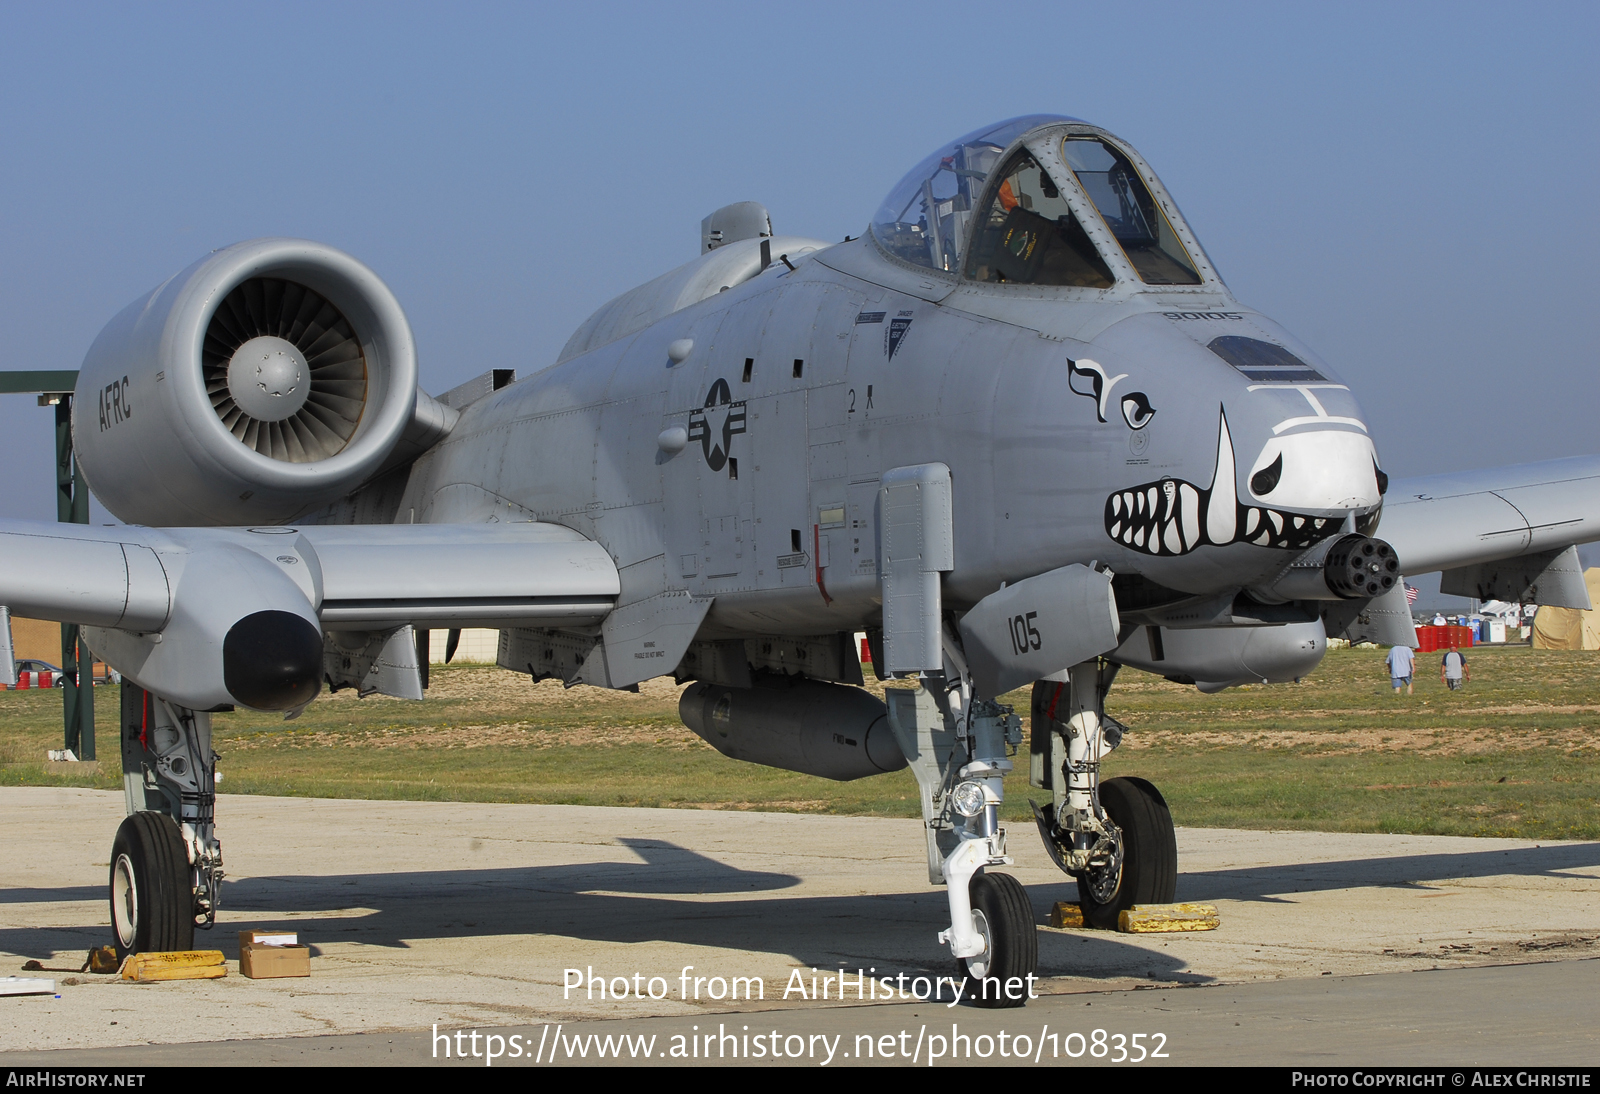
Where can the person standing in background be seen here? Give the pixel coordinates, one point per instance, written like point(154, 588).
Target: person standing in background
point(1453, 669)
point(1401, 666)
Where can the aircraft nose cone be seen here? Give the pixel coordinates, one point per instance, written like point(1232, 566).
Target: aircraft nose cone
point(272, 660)
point(1321, 469)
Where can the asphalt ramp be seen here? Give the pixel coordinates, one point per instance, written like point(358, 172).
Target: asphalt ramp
point(427, 917)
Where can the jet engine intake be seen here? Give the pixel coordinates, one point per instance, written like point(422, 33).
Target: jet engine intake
point(268, 378)
point(831, 730)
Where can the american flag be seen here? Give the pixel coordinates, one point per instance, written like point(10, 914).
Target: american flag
point(1411, 595)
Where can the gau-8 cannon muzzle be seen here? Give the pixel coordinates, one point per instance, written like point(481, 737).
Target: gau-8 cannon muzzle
point(1350, 567)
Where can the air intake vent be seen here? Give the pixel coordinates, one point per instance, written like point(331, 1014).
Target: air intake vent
point(284, 370)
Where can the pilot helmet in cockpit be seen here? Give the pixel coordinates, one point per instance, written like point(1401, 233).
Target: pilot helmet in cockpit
point(1068, 207)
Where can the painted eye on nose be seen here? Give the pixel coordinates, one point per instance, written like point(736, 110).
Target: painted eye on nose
point(1263, 482)
point(1136, 409)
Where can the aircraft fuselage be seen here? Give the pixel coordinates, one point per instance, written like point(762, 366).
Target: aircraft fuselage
point(1052, 408)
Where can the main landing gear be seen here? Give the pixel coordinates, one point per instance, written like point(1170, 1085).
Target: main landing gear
point(957, 745)
point(1115, 837)
point(166, 862)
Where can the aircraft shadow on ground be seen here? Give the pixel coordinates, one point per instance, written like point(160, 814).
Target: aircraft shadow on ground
point(1268, 883)
point(678, 896)
point(673, 895)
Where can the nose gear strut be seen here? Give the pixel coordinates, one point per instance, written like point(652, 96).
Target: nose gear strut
point(959, 747)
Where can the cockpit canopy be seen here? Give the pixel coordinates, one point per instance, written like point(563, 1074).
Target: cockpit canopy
point(1070, 207)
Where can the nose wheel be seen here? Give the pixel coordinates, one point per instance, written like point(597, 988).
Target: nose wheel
point(1144, 867)
point(1003, 917)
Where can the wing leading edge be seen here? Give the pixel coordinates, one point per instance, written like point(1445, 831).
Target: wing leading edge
point(1506, 532)
point(355, 577)
point(181, 611)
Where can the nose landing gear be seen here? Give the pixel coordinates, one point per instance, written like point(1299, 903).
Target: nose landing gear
point(957, 744)
point(1003, 917)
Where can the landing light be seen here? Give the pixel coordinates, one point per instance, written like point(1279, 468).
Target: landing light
point(968, 798)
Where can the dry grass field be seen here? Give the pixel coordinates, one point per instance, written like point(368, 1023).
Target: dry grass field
point(1513, 754)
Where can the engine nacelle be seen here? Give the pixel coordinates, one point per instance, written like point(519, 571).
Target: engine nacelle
point(268, 378)
point(831, 730)
point(1213, 658)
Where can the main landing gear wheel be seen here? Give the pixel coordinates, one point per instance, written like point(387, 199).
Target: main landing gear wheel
point(1002, 915)
point(1146, 868)
point(152, 898)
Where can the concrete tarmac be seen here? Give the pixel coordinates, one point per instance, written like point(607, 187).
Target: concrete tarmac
point(464, 916)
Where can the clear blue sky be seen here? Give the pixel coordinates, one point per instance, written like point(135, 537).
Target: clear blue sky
point(1408, 187)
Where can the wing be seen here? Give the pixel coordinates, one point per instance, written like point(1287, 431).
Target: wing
point(213, 616)
point(1507, 533)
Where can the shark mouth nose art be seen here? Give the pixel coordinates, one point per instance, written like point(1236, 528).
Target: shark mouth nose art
point(1174, 517)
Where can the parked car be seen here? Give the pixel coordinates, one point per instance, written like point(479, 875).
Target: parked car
point(28, 664)
point(103, 673)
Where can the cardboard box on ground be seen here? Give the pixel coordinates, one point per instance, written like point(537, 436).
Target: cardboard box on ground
point(264, 955)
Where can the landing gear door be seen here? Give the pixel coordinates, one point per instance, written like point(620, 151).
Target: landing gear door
point(917, 532)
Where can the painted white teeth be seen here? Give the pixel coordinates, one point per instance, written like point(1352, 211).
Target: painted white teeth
point(1189, 513)
point(1174, 517)
point(1222, 510)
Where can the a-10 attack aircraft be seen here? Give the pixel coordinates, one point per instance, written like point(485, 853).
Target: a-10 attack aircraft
point(1019, 432)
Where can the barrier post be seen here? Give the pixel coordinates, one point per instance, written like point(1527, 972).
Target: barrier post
point(54, 387)
point(72, 507)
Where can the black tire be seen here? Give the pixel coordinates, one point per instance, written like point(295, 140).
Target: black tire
point(1149, 869)
point(152, 897)
point(1002, 914)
